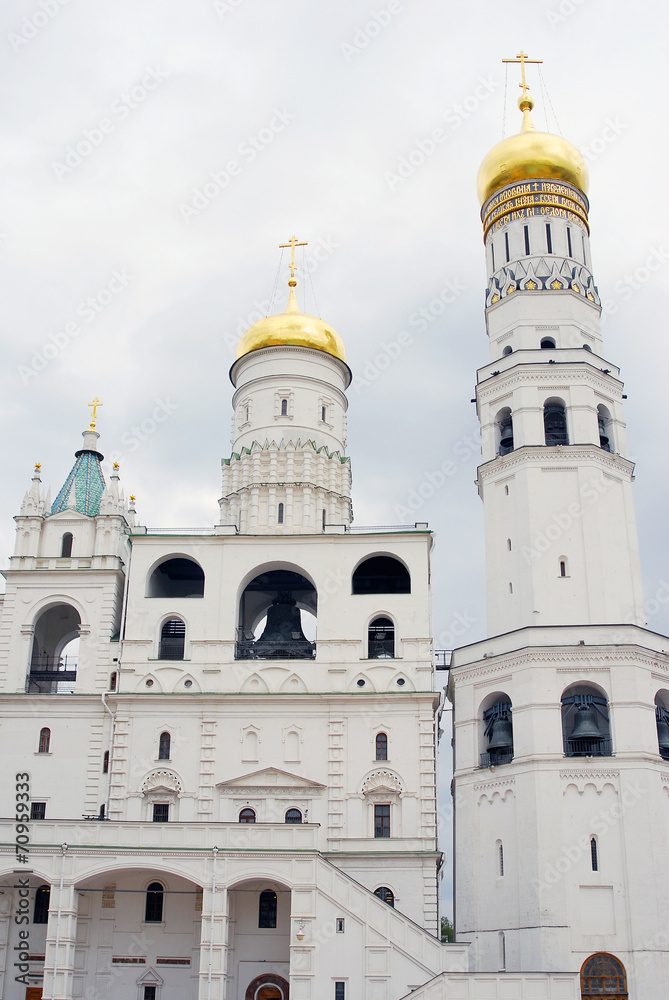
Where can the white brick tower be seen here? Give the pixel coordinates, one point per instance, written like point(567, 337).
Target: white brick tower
point(560, 782)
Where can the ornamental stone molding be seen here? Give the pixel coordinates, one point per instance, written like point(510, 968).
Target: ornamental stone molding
point(379, 780)
point(483, 786)
point(514, 377)
point(580, 659)
point(160, 780)
point(556, 455)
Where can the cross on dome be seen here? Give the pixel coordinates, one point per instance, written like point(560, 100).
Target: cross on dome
point(522, 58)
point(96, 402)
point(292, 243)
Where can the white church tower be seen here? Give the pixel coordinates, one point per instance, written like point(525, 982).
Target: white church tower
point(560, 715)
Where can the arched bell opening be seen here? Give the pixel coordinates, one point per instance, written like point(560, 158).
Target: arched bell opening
point(496, 743)
point(504, 432)
point(381, 575)
point(662, 723)
point(277, 618)
point(53, 663)
point(178, 576)
point(605, 426)
point(555, 423)
point(603, 975)
point(381, 639)
point(586, 728)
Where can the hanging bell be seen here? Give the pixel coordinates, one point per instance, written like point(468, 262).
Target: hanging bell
point(506, 436)
point(501, 735)
point(585, 724)
point(283, 624)
point(663, 735)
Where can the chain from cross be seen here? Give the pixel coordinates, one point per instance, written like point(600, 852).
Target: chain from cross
point(523, 60)
point(292, 243)
point(96, 402)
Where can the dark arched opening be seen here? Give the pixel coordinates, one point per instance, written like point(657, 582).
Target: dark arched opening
point(172, 640)
point(153, 910)
point(385, 894)
point(177, 577)
point(585, 723)
point(555, 423)
point(603, 975)
point(381, 639)
point(66, 545)
point(381, 575)
point(41, 910)
point(498, 733)
point(53, 663)
point(271, 617)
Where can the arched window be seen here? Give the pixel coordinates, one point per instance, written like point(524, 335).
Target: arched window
point(547, 343)
point(284, 407)
point(381, 746)
point(498, 733)
point(507, 350)
point(385, 894)
point(66, 545)
point(381, 639)
point(44, 740)
point(504, 431)
point(662, 723)
point(105, 763)
point(153, 909)
point(563, 567)
point(586, 347)
point(267, 909)
point(585, 722)
point(172, 639)
point(275, 610)
point(500, 859)
point(381, 575)
point(602, 974)
point(247, 816)
point(594, 860)
point(164, 745)
point(502, 951)
point(41, 910)
point(604, 425)
point(53, 662)
point(555, 423)
point(293, 816)
point(112, 681)
point(177, 577)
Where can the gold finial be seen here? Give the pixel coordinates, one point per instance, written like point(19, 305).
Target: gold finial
point(525, 101)
point(292, 243)
point(132, 498)
point(38, 465)
point(116, 465)
point(96, 402)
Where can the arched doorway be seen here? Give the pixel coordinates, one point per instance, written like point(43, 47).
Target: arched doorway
point(603, 974)
point(267, 987)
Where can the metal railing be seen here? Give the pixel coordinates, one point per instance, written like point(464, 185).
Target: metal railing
point(587, 748)
point(442, 659)
point(381, 649)
point(296, 649)
point(53, 668)
point(494, 757)
point(171, 649)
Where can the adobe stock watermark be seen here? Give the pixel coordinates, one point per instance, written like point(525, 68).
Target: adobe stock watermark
point(434, 481)
point(88, 310)
point(563, 11)
point(365, 33)
point(563, 520)
point(613, 128)
point(92, 138)
point(318, 253)
point(419, 320)
point(133, 438)
point(427, 146)
point(248, 150)
point(634, 281)
point(31, 26)
point(223, 7)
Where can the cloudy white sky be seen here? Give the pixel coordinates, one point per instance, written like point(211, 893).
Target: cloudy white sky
point(304, 111)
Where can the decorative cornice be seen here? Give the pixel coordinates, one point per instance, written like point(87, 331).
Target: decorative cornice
point(555, 454)
point(539, 371)
point(581, 659)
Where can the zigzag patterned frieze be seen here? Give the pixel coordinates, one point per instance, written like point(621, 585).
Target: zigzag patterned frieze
point(536, 274)
point(285, 446)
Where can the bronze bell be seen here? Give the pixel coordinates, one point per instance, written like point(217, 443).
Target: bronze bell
point(585, 724)
point(506, 436)
point(284, 623)
point(501, 736)
point(663, 734)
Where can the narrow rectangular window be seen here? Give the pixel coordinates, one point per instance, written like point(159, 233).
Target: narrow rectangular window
point(149, 993)
point(280, 514)
point(510, 588)
point(161, 812)
point(284, 407)
point(593, 855)
point(382, 821)
point(323, 414)
point(549, 238)
point(340, 991)
point(571, 252)
point(38, 810)
point(339, 925)
point(585, 260)
point(526, 230)
point(492, 252)
point(324, 516)
point(501, 860)
point(506, 246)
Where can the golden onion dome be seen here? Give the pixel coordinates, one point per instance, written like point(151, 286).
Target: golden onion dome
point(292, 328)
point(530, 155)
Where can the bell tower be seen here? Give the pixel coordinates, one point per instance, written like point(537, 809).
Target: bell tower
point(558, 714)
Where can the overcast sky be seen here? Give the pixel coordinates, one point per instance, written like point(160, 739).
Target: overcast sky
point(154, 156)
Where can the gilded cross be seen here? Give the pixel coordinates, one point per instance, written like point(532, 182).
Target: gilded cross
point(96, 402)
point(292, 243)
point(522, 59)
